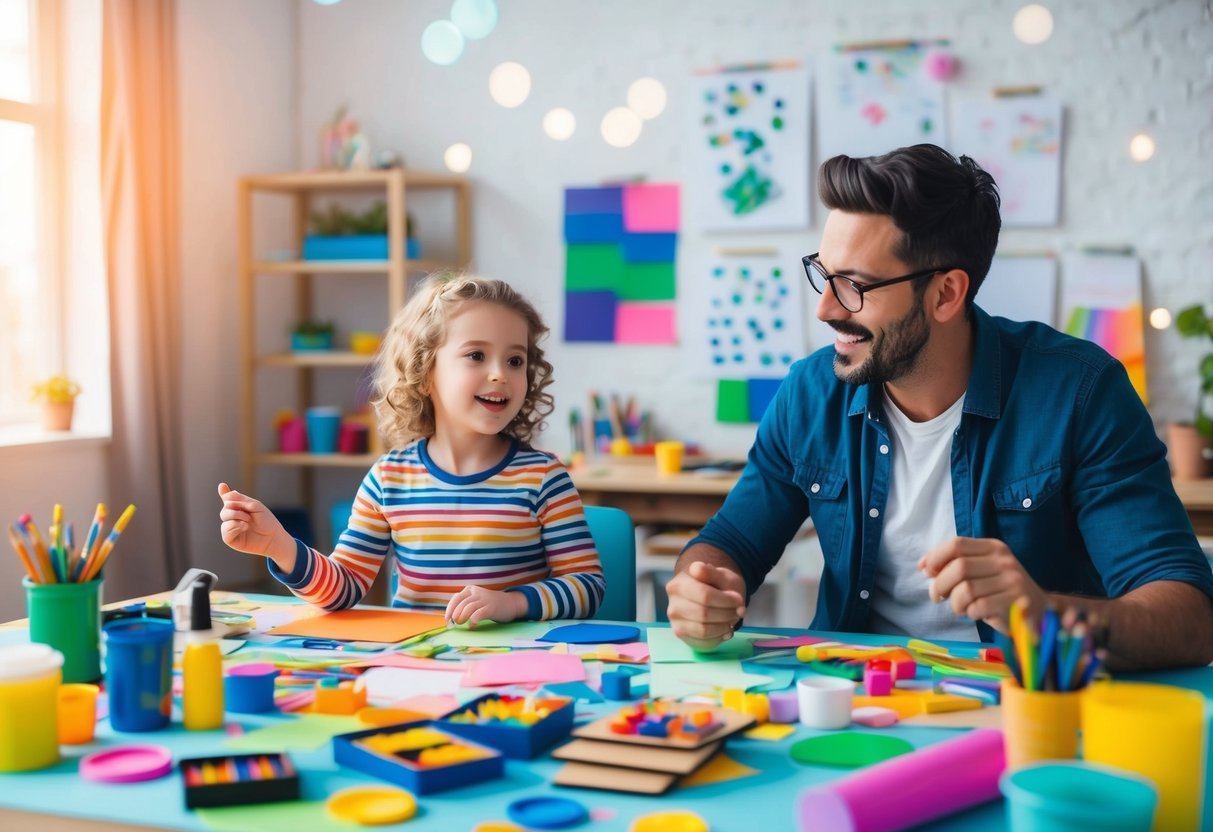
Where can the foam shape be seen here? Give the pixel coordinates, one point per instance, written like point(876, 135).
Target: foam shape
point(616, 685)
point(585, 633)
point(877, 681)
point(127, 764)
point(849, 749)
point(372, 805)
point(784, 706)
point(546, 812)
point(911, 789)
point(874, 717)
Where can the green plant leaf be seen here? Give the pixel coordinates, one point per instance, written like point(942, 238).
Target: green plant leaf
point(1192, 322)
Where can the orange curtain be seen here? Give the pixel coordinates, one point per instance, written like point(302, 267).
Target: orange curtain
point(140, 186)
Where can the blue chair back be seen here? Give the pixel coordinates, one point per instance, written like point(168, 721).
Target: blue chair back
point(615, 537)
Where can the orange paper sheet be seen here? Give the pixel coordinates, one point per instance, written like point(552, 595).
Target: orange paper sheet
point(380, 626)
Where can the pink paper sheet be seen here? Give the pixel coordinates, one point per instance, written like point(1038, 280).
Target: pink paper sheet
point(645, 323)
point(650, 208)
point(522, 668)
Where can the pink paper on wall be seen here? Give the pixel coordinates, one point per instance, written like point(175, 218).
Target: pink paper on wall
point(524, 667)
point(650, 208)
point(645, 323)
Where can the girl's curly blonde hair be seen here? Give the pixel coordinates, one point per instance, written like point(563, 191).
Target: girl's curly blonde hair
point(402, 371)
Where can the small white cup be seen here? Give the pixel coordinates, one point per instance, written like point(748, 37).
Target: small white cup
point(825, 701)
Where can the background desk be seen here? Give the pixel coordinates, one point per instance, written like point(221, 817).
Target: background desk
point(1197, 497)
point(764, 800)
point(634, 485)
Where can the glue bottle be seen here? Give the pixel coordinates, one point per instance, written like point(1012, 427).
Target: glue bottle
point(202, 665)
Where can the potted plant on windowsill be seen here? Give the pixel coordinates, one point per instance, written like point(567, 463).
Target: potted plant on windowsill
point(312, 335)
point(1190, 446)
point(58, 396)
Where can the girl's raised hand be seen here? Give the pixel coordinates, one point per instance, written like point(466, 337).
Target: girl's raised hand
point(474, 604)
point(248, 526)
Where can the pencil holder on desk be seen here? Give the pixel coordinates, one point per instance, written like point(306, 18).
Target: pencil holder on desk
point(67, 616)
point(1039, 725)
point(138, 673)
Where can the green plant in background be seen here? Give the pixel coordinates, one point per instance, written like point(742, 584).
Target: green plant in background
point(1194, 322)
point(336, 221)
point(310, 327)
point(56, 390)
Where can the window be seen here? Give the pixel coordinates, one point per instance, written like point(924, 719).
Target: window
point(28, 127)
point(51, 268)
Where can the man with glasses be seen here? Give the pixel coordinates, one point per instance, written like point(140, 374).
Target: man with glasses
point(953, 463)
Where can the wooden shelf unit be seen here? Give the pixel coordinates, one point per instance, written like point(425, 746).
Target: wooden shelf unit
point(395, 185)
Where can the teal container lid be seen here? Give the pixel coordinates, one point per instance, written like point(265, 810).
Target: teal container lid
point(1079, 794)
point(138, 631)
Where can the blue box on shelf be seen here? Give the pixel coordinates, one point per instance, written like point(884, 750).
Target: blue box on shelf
point(511, 736)
point(397, 754)
point(354, 247)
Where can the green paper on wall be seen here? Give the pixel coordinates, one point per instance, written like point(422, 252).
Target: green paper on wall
point(594, 267)
point(648, 281)
point(732, 401)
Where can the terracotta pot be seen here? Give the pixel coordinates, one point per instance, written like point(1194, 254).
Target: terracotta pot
point(1190, 454)
point(57, 416)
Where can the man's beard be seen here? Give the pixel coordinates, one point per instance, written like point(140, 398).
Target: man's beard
point(891, 356)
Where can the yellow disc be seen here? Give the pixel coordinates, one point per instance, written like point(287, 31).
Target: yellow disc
point(497, 826)
point(372, 805)
point(669, 822)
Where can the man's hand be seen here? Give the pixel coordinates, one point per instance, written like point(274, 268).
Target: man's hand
point(706, 602)
point(474, 604)
point(981, 578)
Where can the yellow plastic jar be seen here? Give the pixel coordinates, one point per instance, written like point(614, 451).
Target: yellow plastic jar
point(29, 706)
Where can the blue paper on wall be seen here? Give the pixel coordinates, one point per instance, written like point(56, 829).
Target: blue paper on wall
point(759, 394)
point(589, 316)
point(593, 200)
point(593, 228)
point(649, 248)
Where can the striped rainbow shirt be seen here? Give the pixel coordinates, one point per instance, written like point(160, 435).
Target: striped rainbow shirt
point(519, 526)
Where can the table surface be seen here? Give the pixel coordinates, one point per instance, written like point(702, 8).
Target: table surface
point(765, 800)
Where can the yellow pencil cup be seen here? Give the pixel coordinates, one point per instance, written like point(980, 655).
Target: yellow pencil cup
point(1157, 731)
point(669, 457)
point(77, 713)
point(29, 706)
point(1039, 725)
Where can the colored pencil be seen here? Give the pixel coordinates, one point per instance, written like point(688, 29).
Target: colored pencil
point(26, 561)
point(90, 542)
point(103, 553)
point(26, 523)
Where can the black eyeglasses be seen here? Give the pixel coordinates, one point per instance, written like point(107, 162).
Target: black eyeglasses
point(849, 293)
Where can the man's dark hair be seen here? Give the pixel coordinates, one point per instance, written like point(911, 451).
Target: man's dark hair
point(946, 208)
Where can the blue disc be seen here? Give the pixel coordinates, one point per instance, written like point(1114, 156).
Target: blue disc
point(585, 633)
point(546, 812)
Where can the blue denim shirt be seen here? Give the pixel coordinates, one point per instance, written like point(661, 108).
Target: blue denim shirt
point(1055, 455)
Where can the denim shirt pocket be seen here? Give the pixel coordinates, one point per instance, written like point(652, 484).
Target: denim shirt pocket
point(1029, 493)
point(826, 491)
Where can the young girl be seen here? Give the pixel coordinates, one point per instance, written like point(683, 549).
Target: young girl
point(476, 522)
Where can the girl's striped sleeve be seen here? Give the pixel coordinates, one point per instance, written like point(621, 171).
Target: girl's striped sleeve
point(576, 585)
point(340, 580)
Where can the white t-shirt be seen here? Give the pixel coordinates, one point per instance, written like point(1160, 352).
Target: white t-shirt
point(918, 517)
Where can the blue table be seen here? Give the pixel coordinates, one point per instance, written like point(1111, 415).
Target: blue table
point(764, 801)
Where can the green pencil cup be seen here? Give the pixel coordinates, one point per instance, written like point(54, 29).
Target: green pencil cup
point(68, 618)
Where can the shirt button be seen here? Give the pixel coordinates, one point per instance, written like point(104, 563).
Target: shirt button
point(863, 593)
point(884, 449)
point(815, 487)
point(1027, 502)
point(873, 512)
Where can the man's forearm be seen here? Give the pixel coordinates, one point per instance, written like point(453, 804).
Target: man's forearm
point(1162, 624)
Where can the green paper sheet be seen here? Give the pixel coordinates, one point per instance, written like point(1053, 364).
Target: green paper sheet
point(303, 733)
point(664, 646)
point(286, 816)
point(679, 679)
point(491, 635)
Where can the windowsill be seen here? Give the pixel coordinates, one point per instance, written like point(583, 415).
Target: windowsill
point(28, 436)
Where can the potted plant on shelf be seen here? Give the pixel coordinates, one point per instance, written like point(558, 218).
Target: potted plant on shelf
point(340, 234)
point(1190, 446)
point(58, 396)
point(312, 335)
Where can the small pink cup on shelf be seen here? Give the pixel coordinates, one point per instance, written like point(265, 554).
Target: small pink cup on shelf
point(292, 437)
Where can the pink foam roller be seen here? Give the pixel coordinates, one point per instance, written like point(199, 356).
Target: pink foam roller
point(910, 789)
